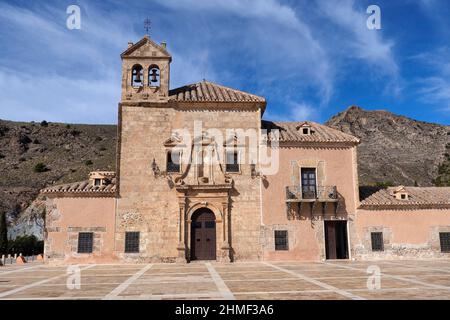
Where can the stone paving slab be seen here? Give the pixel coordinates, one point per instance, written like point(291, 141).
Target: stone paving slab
point(400, 279)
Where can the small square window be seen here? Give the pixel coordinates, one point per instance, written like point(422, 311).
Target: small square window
point(281, 240)
point(377, 241)
point(173, 162)
point(97, 182)
point(305, 131)
point(403, 196)
point(132, 242)
point(232, 164)
point(444, 238)
point(85, 242)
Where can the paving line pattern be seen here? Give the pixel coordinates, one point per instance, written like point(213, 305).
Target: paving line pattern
point(221, 286)
point(317, 283)
point(38, 283)
point(124, 285)
point(2, 273)
point(431, 285)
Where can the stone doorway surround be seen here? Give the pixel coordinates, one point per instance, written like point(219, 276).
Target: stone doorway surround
point(215, 198)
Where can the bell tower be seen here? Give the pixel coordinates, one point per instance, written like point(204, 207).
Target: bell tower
point(145, 72)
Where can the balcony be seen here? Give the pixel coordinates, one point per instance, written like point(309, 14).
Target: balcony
point(319, 194)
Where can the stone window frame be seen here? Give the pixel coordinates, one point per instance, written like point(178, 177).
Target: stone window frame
point(98, 234)
point(434, 241)
point(268, 236)
point(239, 157)
point(286, 236)
point(169, 151)
point(387, 235)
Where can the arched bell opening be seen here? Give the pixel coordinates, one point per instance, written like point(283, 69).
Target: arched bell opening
point(137, 74)
point(154, 76)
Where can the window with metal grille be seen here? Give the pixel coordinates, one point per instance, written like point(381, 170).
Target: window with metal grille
point(232, 164)
point(281, 240)
point(173, 162)
point(377, 241)
point(85, 242)
point(444, 238)
point(132, 242)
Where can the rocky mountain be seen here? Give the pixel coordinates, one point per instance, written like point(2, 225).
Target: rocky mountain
point(395, 149)
point(33, 155)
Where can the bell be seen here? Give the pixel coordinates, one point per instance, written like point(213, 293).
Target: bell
point(154, 75)
point(138, 78)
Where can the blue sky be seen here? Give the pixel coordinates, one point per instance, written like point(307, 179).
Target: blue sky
point(310, 58)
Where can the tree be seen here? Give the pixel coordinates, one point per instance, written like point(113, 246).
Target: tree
point(3, 233)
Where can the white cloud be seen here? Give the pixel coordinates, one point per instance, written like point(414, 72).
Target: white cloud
point(272, 47)
point(296, 112)
point(360, 42)
point(58, 99)
point(435, 89)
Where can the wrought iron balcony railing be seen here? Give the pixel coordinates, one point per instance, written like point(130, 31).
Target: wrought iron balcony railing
point(299, 194)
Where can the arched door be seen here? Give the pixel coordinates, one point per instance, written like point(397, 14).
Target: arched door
point(203, 235)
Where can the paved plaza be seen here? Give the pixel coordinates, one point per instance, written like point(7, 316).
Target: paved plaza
point(422, 279)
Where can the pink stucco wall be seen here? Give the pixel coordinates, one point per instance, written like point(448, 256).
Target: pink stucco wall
point(406, 233)
point(72, 215)
point(306, 238)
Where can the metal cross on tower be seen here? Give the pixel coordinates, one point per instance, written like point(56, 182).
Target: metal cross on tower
point(147, 25)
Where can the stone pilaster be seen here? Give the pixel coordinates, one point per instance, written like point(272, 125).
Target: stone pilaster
point(181, 248)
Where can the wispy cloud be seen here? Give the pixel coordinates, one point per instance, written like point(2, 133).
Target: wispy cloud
point(296, 54)
point(295, 112)
point(435, 89)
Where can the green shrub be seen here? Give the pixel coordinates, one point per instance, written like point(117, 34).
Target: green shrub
point(88, 163)
point(75, 132)
point(26, 245)
point(44, 124)
point(40, 167)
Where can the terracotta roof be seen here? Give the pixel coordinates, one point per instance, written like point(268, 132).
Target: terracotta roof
point(422, 197)
point(206, 91)
point(291, 132)
point(83, 188)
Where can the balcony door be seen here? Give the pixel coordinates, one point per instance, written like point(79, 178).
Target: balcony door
point(308, 179)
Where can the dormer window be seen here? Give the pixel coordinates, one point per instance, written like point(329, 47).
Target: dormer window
point(154, 76)
point(304, 129)
point(137, 76)
point(101, 178)
point(401, 193)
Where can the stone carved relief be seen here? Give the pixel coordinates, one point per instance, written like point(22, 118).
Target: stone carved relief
point(131, 219)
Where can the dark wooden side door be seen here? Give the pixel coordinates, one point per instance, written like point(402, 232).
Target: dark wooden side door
point(203, 235)
point(336, 246)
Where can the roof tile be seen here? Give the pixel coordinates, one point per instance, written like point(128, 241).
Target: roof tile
point(289, 132)
point(206, 91)
point(425, 197)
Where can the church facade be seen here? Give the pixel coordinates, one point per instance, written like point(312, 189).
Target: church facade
point(200, 176)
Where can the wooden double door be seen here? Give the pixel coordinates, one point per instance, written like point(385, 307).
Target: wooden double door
point(336, 245)
point(203, 235)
